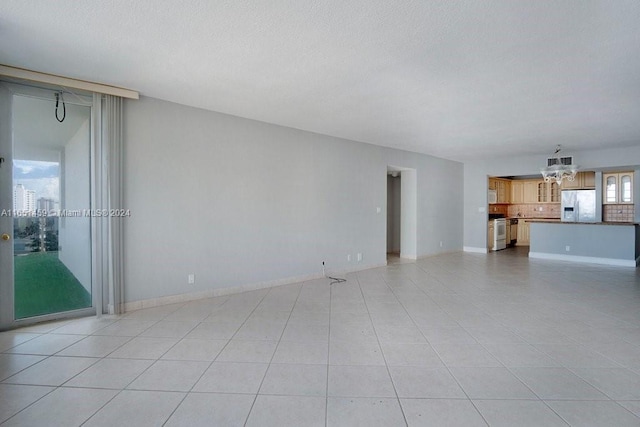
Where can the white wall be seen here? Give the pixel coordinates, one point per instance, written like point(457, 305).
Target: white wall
point(393, 214)
point(238, 202)
point(476, 173)
point(74, 233)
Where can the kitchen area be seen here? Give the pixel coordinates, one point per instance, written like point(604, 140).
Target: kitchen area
point(515, 204)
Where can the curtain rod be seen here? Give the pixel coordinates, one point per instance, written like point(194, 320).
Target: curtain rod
point(21, 73)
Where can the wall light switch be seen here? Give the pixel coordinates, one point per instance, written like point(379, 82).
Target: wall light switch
point(482, 209)
point(378, 210)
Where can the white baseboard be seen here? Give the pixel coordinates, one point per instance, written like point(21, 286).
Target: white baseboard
point(585, 259)
point(474, 249)
point(212, 293)
point(356, 269)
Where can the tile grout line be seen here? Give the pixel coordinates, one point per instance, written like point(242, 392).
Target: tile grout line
point(483, 305)
point(512, 373)
point(274, 351)
point(468, 398)
point(131, 338)
point(55, 388)
point(382, 351)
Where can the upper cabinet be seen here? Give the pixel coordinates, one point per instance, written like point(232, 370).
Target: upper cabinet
point(582, 180)
point(588, 179)
point(503, 189)
point(534, 191)
point(617, 188)
point(537, 191)
point(530, 192)
point(548, 192)
point(517, 192)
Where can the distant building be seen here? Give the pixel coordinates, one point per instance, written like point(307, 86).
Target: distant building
point(45, 204)
point(23, 199)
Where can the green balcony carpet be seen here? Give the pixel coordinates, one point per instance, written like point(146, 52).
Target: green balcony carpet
point(43, 285)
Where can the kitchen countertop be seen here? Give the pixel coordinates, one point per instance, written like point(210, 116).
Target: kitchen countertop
point(531, 219)
point(552, 221)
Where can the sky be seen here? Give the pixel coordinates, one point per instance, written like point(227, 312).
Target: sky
point(41, 177)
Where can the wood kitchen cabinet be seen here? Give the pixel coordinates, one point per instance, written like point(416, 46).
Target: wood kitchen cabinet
point(548, 192)
point(530, 192)
point(504, 191)
point(517, 192)
point(535, 191)
point(583, 180)
point(502, 188)
point(588, 180)
point(617, 188)
point(523, 233)
point(554, 192)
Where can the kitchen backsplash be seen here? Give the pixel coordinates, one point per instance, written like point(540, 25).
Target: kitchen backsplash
point(618, 213)
point(498, 209)
point(547, 210)
point(610, 213)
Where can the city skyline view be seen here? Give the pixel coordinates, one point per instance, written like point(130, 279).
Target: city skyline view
point(41, 178)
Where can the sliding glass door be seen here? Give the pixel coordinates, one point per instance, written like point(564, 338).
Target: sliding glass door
point(46, 248)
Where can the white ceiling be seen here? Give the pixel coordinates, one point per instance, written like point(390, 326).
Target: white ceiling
point(456, 79)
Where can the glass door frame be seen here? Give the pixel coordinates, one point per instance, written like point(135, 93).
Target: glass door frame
point(9, 90)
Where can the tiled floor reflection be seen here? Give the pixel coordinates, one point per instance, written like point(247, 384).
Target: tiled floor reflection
point(457, 339)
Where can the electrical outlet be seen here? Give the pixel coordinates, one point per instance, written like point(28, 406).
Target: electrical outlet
point(191, 278)
point(359, 257)
point(349, 258)
point(567, 248)
point(441, 243)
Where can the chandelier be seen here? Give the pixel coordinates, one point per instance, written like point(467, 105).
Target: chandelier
point(559, 168)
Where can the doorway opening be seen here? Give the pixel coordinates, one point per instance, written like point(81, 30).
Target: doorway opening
point(394, 209)
point(401, 214)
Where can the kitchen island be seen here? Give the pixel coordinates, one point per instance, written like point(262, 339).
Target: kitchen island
point(610, 243)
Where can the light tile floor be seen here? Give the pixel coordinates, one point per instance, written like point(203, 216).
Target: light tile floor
point(458, 339)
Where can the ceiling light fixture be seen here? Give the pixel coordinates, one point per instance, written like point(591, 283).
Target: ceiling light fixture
point(559, 168)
